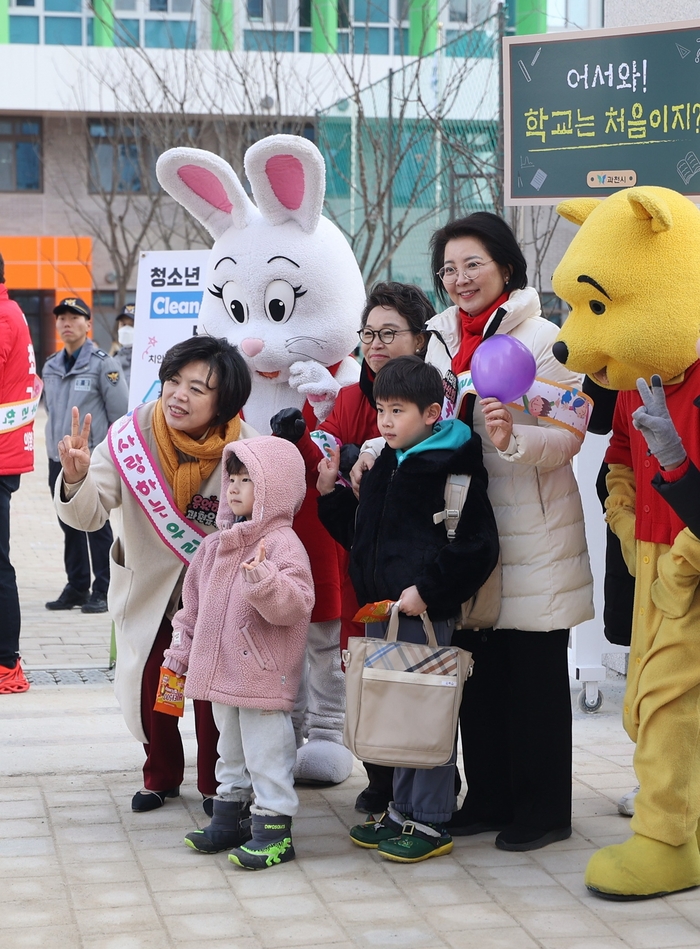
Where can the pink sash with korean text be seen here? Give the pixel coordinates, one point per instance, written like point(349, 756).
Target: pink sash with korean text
point(138, 470)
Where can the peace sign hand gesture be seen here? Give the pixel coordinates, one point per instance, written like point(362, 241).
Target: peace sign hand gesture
point(257, 559)
point(73, 451)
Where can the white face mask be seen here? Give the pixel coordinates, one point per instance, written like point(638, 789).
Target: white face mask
point(125, 335)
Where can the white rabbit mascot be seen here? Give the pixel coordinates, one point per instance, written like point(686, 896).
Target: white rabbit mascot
point(284, 286)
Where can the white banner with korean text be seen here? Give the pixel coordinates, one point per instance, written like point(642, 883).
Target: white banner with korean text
point(169, 289)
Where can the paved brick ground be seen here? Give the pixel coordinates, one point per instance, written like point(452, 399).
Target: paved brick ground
point(80, 870)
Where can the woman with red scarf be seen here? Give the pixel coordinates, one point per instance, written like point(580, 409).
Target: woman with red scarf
point(516, 712)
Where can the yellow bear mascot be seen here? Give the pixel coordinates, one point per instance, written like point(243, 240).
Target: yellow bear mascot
point(632, 280)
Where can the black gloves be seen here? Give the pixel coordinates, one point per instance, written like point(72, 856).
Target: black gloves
point(288, 424)
point(349, 454)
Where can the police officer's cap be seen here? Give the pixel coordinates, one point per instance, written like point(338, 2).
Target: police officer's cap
point(127, 311)
point(73, 305)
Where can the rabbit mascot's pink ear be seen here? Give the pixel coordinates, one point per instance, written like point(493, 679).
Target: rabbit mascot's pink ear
point(288, 178)
point(208, 187)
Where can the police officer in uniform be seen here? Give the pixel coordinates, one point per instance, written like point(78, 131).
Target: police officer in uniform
point(122, 349)
point(85, 376)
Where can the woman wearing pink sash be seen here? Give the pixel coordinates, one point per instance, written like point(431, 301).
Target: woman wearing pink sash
point(162, 467)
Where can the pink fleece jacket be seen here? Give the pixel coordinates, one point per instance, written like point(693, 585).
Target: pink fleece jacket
point(241, 636)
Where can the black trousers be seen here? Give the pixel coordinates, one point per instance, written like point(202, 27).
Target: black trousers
point(515, 722)
point(75, 549)
point(618, 590)
point(165, 758)
point(9, 598)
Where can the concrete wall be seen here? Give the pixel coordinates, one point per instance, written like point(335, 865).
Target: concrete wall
point(639, 12)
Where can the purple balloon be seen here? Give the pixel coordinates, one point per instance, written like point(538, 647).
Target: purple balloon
point(502, 368)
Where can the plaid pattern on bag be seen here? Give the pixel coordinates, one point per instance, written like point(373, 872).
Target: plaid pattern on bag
point(409, 657)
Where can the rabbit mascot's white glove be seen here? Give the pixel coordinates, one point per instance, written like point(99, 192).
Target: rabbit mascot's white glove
point(315, 382)
point(283, 286)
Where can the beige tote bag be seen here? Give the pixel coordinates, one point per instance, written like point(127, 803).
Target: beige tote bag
point(402, 699)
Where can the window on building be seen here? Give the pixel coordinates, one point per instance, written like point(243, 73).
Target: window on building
point(20, 154)
point(474, 44)
point(279, 11)
point(63, 31)
point(171, 34)
point(62, 6)
point(459, 11)
point(122, 160)
point(480, 10)
point(400, 41)
point(371, 11)
point(24, 29)
point(567, 15)
point(470, 11)
point(372, 40)
point(126, 32)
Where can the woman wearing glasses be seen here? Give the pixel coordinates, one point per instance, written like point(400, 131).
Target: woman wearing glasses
point(516, 714)
point(392, 324)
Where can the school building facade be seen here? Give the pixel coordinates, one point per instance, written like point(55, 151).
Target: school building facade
point(65, 65)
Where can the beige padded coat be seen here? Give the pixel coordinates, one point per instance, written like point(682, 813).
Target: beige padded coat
point(547, 581)
point(145, 575)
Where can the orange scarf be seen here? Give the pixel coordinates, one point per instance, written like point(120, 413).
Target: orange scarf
point(186, 477)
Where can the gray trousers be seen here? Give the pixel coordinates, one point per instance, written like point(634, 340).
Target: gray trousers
point(319, 710)
point(257, 753)
point(425, 794)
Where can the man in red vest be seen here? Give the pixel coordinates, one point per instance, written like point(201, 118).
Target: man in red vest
point(18, 399)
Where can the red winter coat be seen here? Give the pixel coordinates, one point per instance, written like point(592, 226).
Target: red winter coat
point(656, 521)
point(352, 421)
point(327, 558)
point(17, 371)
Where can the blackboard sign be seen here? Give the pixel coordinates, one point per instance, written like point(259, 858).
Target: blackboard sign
point(588, 113)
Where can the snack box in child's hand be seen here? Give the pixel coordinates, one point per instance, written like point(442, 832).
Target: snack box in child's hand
point(373, 612)
point(170, 697)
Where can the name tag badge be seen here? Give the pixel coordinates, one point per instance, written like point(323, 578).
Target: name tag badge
point(83, 383)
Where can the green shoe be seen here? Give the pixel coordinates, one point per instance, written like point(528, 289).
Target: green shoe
point(373, 832)
point(271, 843)
point(417, 842)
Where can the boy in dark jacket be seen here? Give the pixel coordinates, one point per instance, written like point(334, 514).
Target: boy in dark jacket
point(398, 552)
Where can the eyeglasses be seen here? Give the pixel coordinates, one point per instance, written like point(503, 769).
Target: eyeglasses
point(470, 271)
point(385, 335)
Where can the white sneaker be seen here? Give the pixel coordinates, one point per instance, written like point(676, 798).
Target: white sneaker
point(625, 805)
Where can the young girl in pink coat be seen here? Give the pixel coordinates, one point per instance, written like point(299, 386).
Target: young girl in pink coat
point(240, 638)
